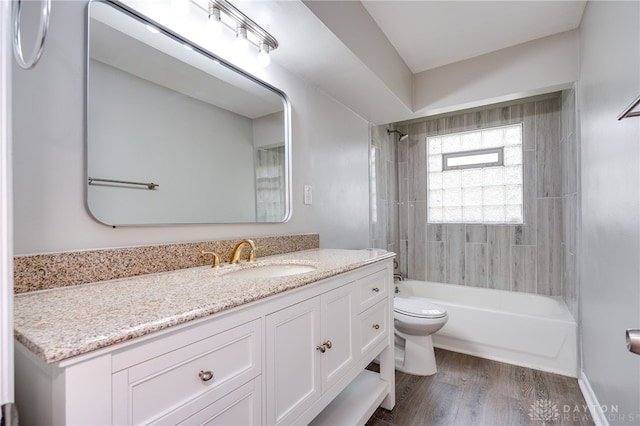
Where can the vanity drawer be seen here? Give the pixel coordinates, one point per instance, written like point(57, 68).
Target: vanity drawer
point(240, 407)
point(161, 385)
point(373, 326)
point(372, 289)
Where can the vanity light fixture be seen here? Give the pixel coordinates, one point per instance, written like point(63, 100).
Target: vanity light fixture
point(263, 55)
point(242, 42)
point(214, 23)
point(221, 13)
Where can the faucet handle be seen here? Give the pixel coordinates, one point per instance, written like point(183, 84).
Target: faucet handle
point(216, 258)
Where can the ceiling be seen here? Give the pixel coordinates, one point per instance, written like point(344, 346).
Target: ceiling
point(429, 34)
point(371, 54)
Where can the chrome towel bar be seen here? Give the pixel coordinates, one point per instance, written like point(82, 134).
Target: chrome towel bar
point(149, 185)
point(629, 111)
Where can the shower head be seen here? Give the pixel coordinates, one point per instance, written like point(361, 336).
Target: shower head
point(402, 135)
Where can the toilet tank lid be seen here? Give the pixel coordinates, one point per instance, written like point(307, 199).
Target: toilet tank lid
point(418, 307)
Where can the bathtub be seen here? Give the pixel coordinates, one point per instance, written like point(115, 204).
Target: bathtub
point(517, 328)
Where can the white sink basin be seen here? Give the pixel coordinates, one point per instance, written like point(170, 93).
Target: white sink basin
point(271, 270)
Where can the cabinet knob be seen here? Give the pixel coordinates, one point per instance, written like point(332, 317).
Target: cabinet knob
point(375, 289)
point(328, 344)
point(376, 326)
point(205, 376)
point(321, 348)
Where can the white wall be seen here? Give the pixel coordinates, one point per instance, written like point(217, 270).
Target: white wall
point(329, 151)
point(539, 66)
point(610, 258)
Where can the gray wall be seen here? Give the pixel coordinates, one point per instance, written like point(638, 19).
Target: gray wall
point(610, 205)
point(528, 257)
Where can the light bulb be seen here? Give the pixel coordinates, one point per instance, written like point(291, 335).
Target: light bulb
point(214, 24)
point(180, 7)
point(264, 59)
point(242, 43)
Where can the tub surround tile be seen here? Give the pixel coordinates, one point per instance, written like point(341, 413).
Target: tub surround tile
point(524, 268)
point(529, 126)
point(495, 116)
point(475, 265)
point(569, 284)
point(516, 114)
point(455, 254)
point(526, 234)
point(537, 256)
point(403, 203)
point(473, 120)
point(46, 271)
point(549, 173)
point(436, 262)
point(455, 123)
point(476, 233)
point(550, 256)
point(499, 240)
point(417, 166)
point(435, 232)
point(65, 322)
point(417, 244)
point(431, 128)
point(570, 208)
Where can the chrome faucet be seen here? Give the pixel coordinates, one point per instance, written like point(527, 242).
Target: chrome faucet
point(235, 254)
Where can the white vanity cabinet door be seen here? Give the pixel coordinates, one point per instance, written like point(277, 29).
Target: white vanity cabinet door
point(310, 346)
point(337, 311)
point(292, 368)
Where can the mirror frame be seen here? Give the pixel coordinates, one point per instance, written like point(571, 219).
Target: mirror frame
point(212, 56)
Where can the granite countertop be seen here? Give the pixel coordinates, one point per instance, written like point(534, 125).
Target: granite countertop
point(64, 322)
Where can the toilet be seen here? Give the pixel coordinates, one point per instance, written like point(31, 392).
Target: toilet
point(416, 319)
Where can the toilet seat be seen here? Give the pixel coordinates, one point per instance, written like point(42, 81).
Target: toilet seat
point(418, 307)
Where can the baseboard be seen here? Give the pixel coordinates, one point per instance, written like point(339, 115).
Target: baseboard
point(599, 417)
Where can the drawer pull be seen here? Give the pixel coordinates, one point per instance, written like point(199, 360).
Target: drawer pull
point(205, 376)
point(376, 326)
point(328, 344)
point(375, 289)
point(321, 348)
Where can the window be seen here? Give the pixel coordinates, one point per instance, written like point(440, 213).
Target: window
point(476, 176)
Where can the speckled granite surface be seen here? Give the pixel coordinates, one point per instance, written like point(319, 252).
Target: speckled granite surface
point(64, 322)
point(45, 271)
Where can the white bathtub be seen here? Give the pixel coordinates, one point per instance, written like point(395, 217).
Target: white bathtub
point(517, 328)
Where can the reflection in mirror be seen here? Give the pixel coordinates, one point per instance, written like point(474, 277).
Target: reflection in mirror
point(174, 134)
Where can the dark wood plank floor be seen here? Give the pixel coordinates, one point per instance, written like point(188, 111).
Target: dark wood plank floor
point(471, 391)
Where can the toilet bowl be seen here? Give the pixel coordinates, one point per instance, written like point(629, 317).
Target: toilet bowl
point(415, 320)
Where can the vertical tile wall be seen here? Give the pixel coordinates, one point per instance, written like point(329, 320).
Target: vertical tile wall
point(535, 257)
point(383, 190)
point(570, 201)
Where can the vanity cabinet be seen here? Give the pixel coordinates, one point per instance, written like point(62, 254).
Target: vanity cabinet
point(293, 358)
point(309, 347)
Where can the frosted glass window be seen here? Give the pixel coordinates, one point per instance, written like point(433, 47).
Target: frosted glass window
point(476, 176)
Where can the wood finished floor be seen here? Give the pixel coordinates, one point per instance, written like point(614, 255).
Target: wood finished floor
point(471, 391)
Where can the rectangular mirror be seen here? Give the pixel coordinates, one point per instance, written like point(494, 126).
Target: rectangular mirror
point(174, 134)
